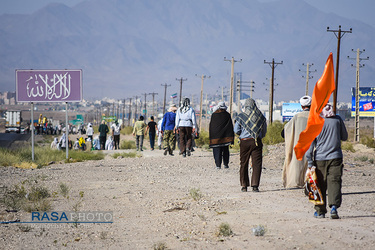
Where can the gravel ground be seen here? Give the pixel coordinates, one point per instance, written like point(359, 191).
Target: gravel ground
point(152, 205)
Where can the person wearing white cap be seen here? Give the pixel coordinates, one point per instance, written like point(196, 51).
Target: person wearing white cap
point(294, 170)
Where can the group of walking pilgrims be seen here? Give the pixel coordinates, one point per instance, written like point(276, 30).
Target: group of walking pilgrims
point(324, 156)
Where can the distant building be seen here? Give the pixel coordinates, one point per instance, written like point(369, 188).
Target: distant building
point(8, 98)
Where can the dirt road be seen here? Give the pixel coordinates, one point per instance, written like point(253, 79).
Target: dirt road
point(152, 205)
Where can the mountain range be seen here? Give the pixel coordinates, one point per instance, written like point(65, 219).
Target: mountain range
point(126, 48)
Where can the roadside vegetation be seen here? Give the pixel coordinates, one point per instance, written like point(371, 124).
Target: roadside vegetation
point(22, 157)
point(127, 130)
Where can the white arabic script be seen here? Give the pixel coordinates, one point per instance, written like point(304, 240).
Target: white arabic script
point(57, 87)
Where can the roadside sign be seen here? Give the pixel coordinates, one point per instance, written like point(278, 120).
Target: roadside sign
point(366, 102)
point(49, 85)
point(289, 110)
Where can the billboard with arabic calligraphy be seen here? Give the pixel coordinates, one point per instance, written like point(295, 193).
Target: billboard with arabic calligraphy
point(49, 85)
point(366, 102)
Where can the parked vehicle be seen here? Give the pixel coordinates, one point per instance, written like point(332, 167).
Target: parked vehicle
point(13, 121)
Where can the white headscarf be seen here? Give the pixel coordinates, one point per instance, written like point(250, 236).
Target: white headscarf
point(327, 111)
point(220, 105)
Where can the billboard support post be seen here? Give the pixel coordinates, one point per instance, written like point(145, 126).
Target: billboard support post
point(32, 131)
point(67, 131)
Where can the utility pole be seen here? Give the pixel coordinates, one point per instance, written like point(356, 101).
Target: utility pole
point(207, 110)
point(118, 110)
point(135, 108)
point(238, 97)
point(123, 114)
point(145, 111)
point(200, 106)
point(358, 65)
point(308, 71)
point(340, 33)
point(273, 65)
point(181, 80)
point(222, 93)
point(153, 102)
point(231, 83)
point(165, 94)
point(130, 111)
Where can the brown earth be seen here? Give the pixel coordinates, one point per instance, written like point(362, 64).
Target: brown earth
point(152, 205)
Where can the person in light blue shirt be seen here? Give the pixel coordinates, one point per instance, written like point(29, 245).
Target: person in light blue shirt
point(168, 131)
point(185, 125)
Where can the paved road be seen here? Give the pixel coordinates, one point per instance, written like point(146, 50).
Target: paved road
point(6, 139)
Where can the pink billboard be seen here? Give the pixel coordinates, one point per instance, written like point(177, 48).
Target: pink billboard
point(49, 85)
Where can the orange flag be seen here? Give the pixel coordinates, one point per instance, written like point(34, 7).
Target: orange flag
point(322, 91)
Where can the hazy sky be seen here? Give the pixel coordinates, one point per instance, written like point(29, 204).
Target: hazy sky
point(353, 9)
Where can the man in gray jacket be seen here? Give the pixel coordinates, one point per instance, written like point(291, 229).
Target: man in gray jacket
point(325, 153)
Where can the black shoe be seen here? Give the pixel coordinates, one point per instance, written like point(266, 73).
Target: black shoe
point(244, 189)
point(166, 152)
point(255, 189)
point(171, 152)
point(188, 152)
point(226, 166)
point(183, 154)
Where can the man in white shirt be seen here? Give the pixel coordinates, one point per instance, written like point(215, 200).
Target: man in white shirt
point(116, 134)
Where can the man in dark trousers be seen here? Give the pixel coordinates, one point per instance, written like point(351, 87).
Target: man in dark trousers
point(251, 126)
point(152, 127)
point(103, 130)
point(325, 153)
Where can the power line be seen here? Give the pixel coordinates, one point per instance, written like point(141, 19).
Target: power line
point(240, 87)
